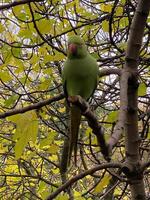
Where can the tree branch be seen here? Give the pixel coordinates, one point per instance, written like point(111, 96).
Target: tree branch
point(17, 3)
point(105, 72)
point(32, 107)
point(82, 175)
point(120, 126)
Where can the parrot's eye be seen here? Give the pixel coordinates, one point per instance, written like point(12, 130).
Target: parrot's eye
point(80, 45)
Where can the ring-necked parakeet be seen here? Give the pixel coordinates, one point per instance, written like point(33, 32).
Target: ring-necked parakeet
point(80, 77)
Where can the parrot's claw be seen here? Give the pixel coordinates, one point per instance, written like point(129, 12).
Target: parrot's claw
point(86, 111)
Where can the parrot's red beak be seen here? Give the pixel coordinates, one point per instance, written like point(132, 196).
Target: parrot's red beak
point(72, 48)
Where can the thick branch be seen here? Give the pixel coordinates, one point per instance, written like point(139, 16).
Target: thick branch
point(129, 73)
point(120, 126)
point(105, 72)
point(128, 99)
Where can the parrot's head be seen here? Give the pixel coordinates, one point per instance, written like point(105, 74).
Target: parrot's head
point(76, 47)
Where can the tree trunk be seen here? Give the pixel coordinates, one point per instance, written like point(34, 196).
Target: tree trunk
point(128, 97)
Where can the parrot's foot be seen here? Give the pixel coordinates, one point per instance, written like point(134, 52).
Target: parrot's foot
point(86, 111)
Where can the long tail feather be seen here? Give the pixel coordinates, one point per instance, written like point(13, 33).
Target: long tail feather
point(74, 129)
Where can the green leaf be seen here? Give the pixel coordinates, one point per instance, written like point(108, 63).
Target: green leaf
point(16, 51)
point(19, 147)
point(43, 190)
point(25, 33)
point(95, 55)
point(26, 130)
point(45, 26)
point(142, 89)
point(11, 100)
point(42, 186)
point(45, 84)
point(102, 184)
point(48, 140)
point(123, 1)
point(22, 12)
point(122, 45)
point(112, 117)
point(123, 22)
point(56, 57)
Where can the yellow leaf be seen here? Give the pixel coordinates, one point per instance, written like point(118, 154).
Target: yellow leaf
point(58, 142)
point(62, 110)
point(55, 171)
point(78, 195)
point(34, 59)
point(53, 158)
point(105, 26)
point(53, 149)
point(119, 11)
point(47, 71)
point(142, 89)
point(32, 184)
point(19, 146)
point(103, 183)
point(123, 22)
point(42, 51)
point(11, 167)
point(26, 130)
point(117, 191)
point(94, 142)
point(1, 28)
point(2, 148)
point(17, 10)
point(62, 197)
point(88, 132)
point(5, 76)
point(122, 45)
point(106, 7)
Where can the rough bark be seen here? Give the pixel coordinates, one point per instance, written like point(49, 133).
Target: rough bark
point(129, 87)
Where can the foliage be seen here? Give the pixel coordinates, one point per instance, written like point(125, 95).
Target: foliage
point(33, 40)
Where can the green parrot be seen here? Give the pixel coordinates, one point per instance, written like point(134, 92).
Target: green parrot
point(80, 77)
